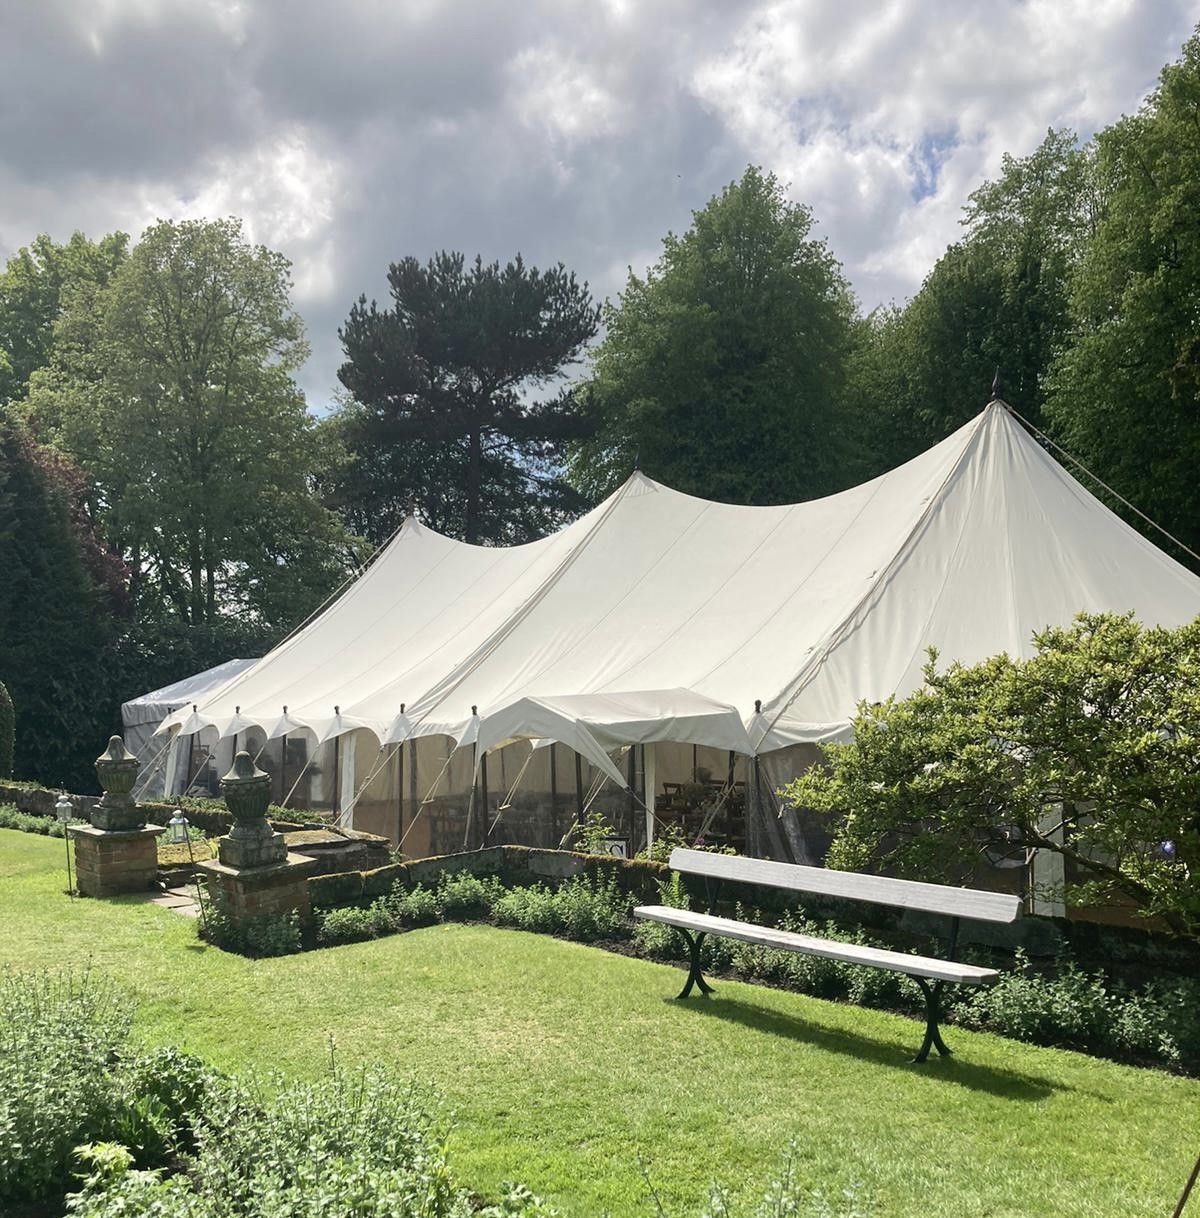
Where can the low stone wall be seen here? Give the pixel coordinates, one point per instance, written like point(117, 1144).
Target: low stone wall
point(40, 801)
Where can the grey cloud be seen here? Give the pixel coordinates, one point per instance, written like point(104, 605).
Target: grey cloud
point(351, 134)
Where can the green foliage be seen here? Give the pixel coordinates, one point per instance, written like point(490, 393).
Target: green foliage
point(348, 925)
point(411, 907)
point(68, 1075)
point(590, 835)
point(656, 939)
point(8, 728)
point(36, 285)
point(264, 934)
point(1090, 749)
point(461, 894)
point(996, 298)
point(1125, 393)
point(1086, 1010)
point(583, 908)
point(47, 826)
point(55, 618)
point(441, 383)
point(345, 1146)
point(722, 367)
point(191, 425)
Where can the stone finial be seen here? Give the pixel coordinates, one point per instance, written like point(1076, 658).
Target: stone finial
point(247, 793)
point(117, 771)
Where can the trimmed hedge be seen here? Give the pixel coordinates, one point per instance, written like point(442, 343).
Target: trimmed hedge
point(8, 732)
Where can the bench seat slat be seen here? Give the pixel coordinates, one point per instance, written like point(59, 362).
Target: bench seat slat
point(850, 953)
point(877, 889)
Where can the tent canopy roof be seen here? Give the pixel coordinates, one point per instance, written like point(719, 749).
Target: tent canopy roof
point(660, 616)
point(158, 704)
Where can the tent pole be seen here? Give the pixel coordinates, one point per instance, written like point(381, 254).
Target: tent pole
point(337, 775)
point(631, 785)
point(399, 794)
point(554, 834)
point(649, 789)
point(579, 787)
point(484, 827)
point(412, 782)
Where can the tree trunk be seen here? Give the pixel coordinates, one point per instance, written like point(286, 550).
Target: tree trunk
point(474, 481)
point(196, 577)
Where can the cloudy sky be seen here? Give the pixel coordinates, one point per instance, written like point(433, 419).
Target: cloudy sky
point(348, 133)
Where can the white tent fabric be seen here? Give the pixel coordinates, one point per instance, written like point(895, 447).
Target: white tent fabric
point(141, 716)
point(663, 617)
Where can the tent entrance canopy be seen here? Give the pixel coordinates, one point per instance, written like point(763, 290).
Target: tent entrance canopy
point(164, 768)
point(660, 616)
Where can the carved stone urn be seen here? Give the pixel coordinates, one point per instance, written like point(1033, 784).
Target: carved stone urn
point(251, 842)
point(117, 770)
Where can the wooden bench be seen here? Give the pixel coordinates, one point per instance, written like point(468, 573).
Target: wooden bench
point(931, 973)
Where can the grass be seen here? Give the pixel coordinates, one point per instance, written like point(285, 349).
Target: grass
point(567, 1066)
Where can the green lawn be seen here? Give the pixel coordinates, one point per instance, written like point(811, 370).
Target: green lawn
point(564, 1064)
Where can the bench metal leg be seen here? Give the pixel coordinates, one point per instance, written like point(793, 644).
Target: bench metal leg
point(933, 1004)
point(694, 977)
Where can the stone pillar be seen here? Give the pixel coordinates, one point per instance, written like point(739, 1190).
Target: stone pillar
point(117, 852)
point(253, 873)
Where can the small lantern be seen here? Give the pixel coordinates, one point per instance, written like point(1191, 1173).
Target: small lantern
point(177, 829)
point(63, 808)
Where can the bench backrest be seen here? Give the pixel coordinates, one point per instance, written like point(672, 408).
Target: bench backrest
point(879, 890)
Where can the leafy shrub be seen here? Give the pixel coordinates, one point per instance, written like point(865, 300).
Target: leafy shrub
point(656, 939)
point(593, 909)
point(47, 826)
point(345, 1145)
point(68, 1076)
point(461, 894)
point(1100, 722)
point(265, 934)
point(587, 909)
point(348, 925)
point(531, 908)
point(590, 835)
point(413, 907)
point(1085, 1010)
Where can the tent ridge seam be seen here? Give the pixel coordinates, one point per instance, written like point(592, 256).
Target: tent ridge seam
point(844, 628)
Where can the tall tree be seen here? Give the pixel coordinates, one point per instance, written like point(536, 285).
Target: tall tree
point(996, 298)
point(721, 368)
point(446, 381)
point(172, 386)
point(34, 288)
point(1125, 393)
point(56, 618)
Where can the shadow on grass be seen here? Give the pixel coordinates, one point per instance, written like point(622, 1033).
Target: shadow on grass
point(894, 1054)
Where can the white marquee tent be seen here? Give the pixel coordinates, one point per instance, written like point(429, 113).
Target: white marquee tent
point(659, 619)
